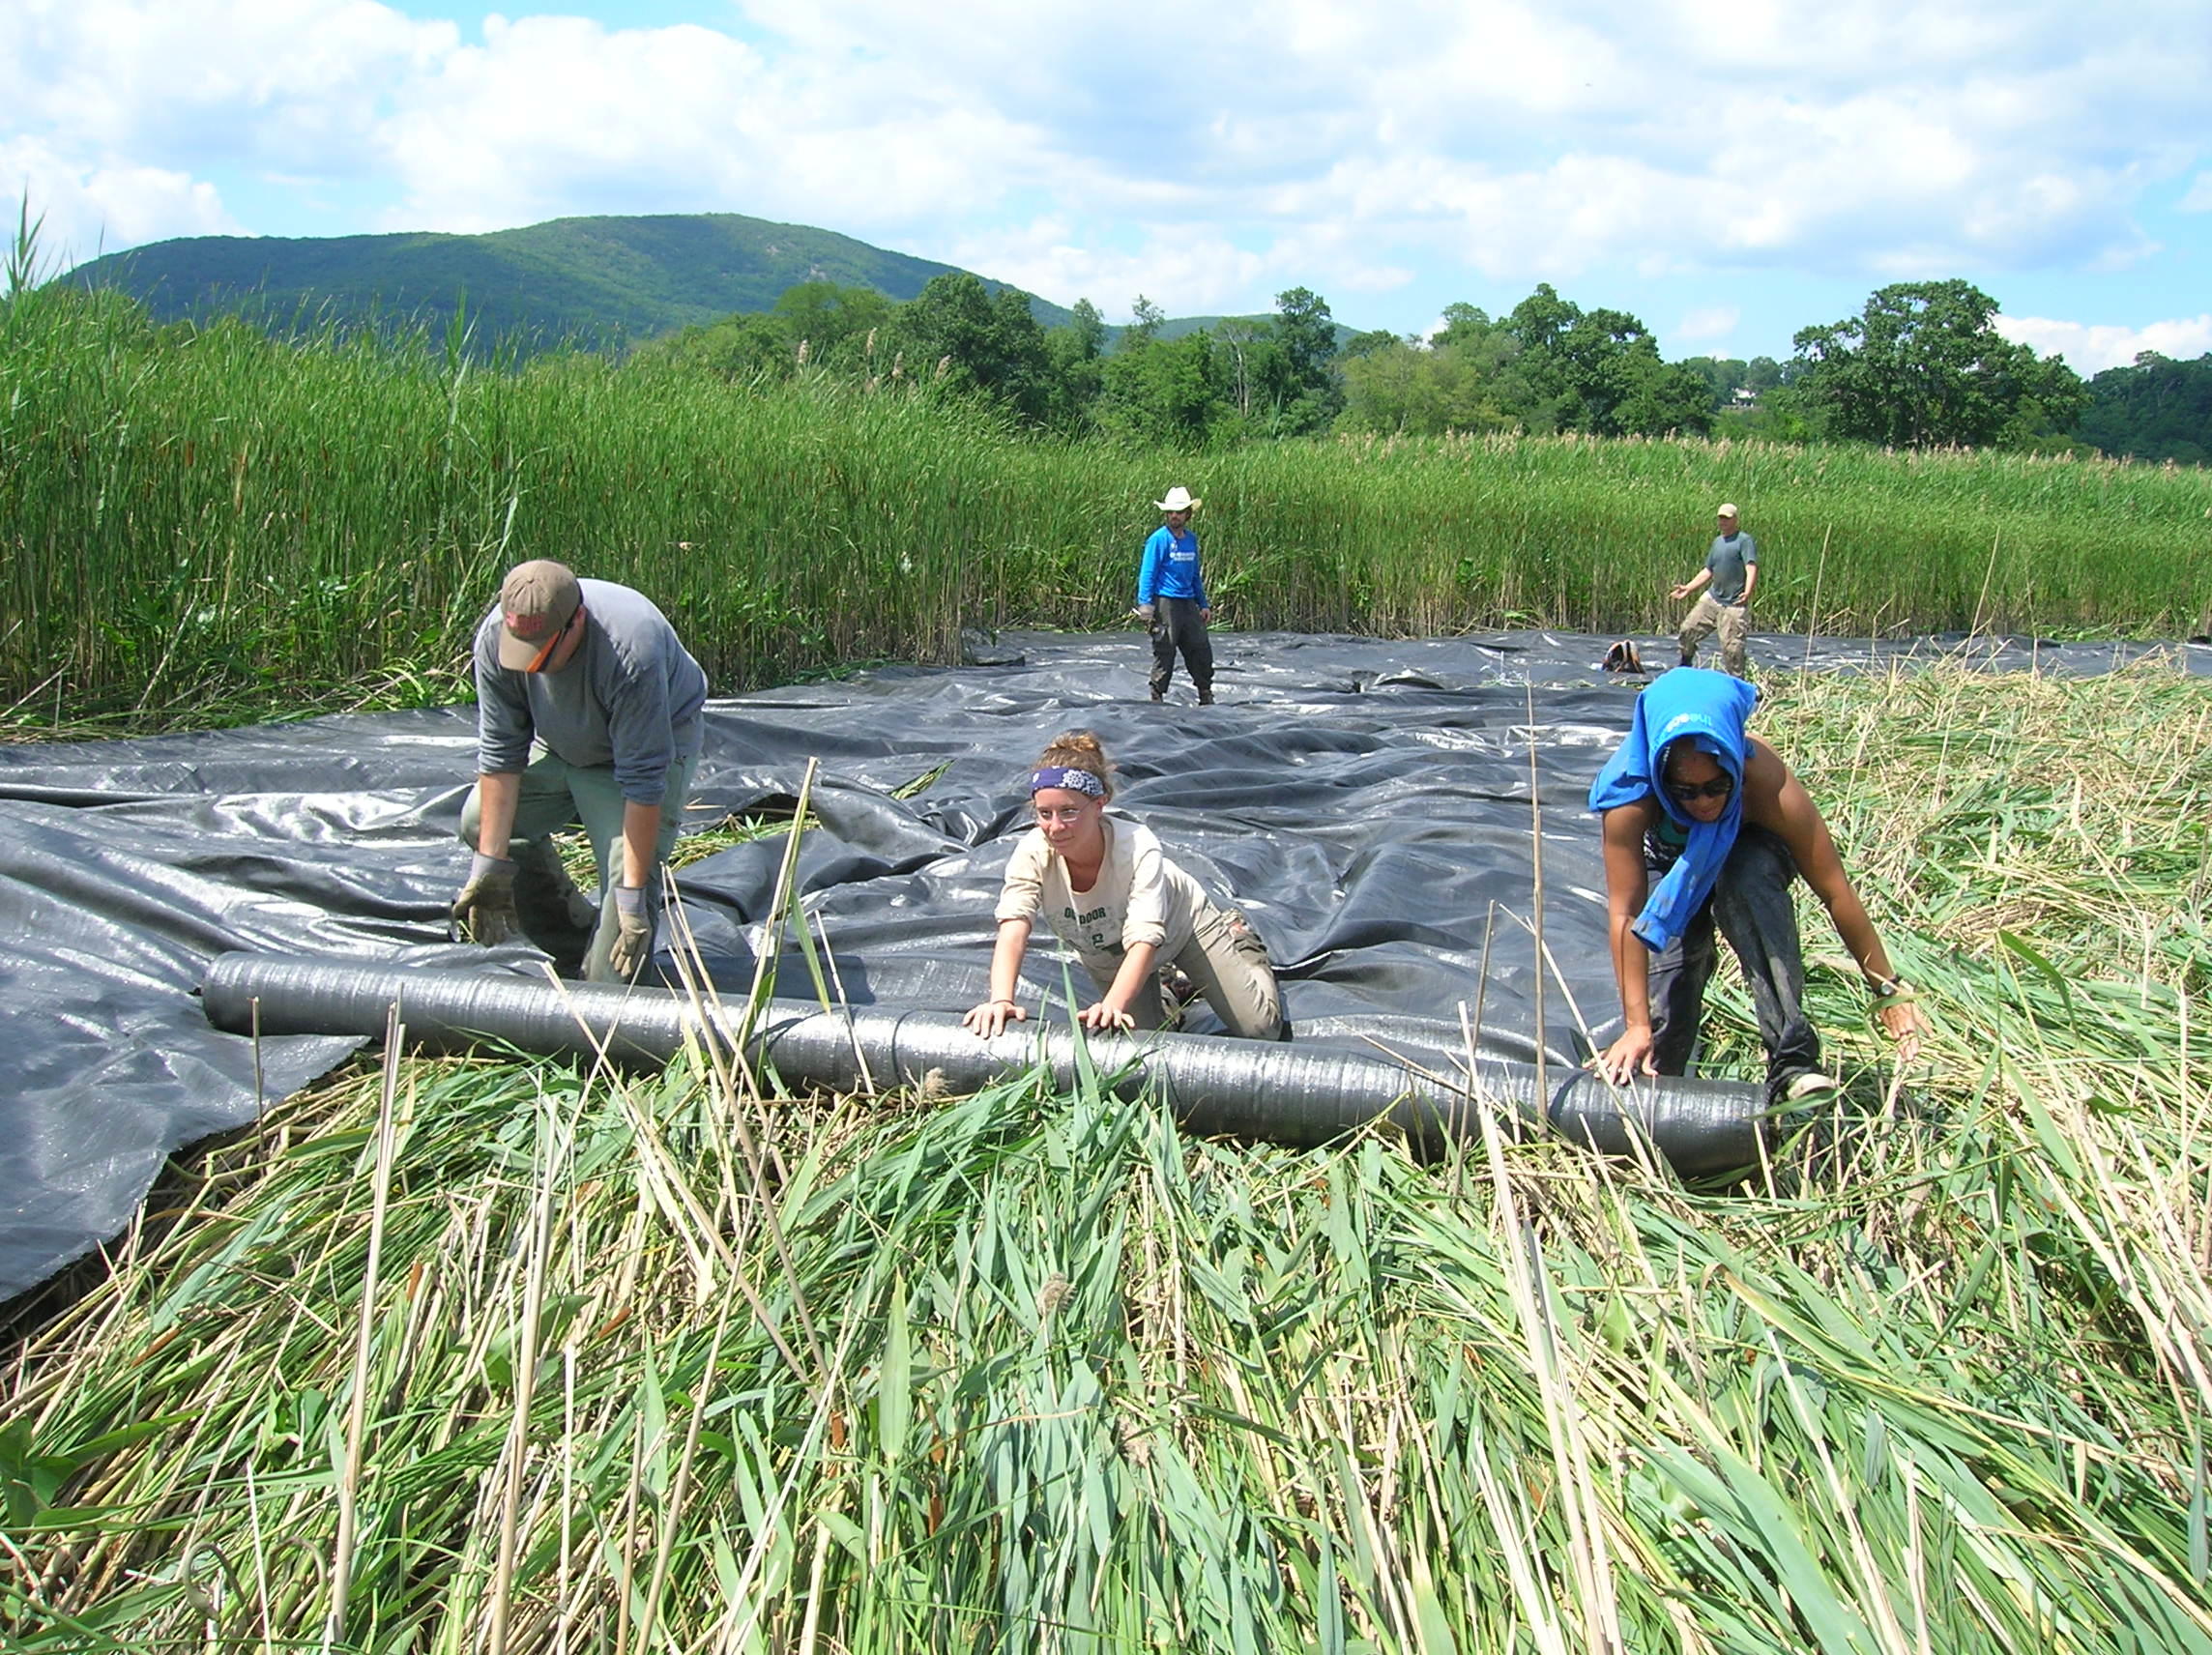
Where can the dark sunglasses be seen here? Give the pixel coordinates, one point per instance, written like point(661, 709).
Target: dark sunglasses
point(1689, 792)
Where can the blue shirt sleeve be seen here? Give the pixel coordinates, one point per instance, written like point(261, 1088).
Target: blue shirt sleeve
point(1149, 572)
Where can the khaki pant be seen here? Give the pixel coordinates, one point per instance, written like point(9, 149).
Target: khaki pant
point(1227, 963)
point(1733, 622)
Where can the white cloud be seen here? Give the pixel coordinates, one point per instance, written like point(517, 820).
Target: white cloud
point(2200, 196)
point(290, 83)
point(1185, 273)
point(1709, 321)
point(2091, 348)
point(83, 212)
point(1200, 159)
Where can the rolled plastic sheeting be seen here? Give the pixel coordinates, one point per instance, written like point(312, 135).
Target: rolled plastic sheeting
point(1296, 1095)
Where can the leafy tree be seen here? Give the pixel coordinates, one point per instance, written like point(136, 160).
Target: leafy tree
point(1725, 376)
point(1462, 378)
point(959, 332)
point(1253, 373)
point(1077, 357)
point(748, 345)
point(1309, 335)
point(1169, 391)
point(1922, 366)
point(1660, 396)
point(1248, 377)
point(1464, 324)
point(1311, 393)
point(1600, 371)
point(1421, 389)
point(1145, 322)
point(837, 324)
point(1367, 345)
point(2160, 409)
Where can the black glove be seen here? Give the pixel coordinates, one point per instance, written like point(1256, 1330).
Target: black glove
point(484, 910)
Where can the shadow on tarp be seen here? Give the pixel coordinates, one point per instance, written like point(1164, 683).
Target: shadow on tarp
point(1366, 804)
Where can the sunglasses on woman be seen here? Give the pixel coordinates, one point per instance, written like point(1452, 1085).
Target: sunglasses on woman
point(1690, 792)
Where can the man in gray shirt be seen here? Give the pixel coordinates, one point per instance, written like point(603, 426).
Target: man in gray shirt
point(596, 675)
point(1731, 571)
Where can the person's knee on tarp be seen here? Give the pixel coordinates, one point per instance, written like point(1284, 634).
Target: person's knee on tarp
point(1105, 888)
point(588, 712)
point(1703, 828)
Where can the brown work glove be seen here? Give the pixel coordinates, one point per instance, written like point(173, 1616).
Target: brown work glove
point(633, 933)
point(484, 910)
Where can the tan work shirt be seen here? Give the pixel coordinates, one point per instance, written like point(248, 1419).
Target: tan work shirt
point(1140, 897)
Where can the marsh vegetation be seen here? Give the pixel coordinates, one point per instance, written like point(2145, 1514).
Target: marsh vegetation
point(203, 524)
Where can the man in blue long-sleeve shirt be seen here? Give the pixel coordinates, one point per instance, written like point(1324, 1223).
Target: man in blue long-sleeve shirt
point(1171, 597)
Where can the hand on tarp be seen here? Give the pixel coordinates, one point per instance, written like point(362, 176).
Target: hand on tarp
point(484, 910)
point(989, 1020)
point(633, 933)
point(1629, 1056)
point(1100, 1017)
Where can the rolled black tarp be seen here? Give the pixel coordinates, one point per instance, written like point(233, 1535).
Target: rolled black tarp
point(1291, 1094)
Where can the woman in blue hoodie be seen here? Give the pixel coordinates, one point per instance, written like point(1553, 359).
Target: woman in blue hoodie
point(1704, 827)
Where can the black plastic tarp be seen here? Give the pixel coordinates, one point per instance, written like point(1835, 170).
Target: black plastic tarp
point(1367, 803)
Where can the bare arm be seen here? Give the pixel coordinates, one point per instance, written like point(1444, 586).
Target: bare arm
point(1627, 883)
point(1693, 584)
point(640, 835)
point(1750, 580)
point(498, 795)
point(991, 1016)
point(1775, 800)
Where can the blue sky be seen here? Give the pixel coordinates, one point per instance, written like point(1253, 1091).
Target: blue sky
point(1729, 171)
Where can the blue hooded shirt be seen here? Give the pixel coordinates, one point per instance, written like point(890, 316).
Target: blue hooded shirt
point(1707, 709)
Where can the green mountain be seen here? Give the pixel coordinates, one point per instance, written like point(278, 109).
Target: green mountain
point(593, 281)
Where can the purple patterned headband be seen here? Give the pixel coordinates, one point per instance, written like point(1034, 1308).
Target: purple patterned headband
point(1074, 780)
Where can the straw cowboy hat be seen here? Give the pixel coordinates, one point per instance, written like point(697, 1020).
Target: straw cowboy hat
point(1178, 500)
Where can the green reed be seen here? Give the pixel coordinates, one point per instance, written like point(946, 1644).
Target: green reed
point(204, 523)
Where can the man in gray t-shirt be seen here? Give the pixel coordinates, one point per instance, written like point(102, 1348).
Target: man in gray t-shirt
point(1723, 588)
point(594, 676)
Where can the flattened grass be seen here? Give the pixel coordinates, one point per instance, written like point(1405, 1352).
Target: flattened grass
point(1020, 1370)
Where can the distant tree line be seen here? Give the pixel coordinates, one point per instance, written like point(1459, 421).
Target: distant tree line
point(1921, 365)
point(2160, 409)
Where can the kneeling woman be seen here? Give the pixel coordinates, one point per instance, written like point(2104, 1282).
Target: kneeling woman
point(1107, 891)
